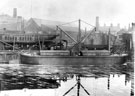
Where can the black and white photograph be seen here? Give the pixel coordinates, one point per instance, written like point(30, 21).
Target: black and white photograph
point(67, 47)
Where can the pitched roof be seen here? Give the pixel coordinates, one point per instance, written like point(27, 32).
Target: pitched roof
point(52, 25)
point(32, 27)
point(47, 22)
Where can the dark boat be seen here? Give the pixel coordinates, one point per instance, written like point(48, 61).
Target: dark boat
point(67, 59)
point(77, 56)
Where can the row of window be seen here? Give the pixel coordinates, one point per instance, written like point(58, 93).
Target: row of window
point(9, 38)
point(20, 38)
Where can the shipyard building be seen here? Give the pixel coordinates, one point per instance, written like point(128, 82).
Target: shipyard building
point(27, 31)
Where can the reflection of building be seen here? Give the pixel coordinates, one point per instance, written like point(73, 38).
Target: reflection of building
point(132, 86)
point(13, 82)
point(108, 82)
point(127, 78)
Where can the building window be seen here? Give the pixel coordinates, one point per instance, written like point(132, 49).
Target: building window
point(19, 38)
point(25, 38)
point(22, 38)
point(15, 38)
point(6, 38)
point(30, 39)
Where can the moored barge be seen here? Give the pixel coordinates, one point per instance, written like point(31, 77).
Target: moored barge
point(64, 57)
point(75, 55)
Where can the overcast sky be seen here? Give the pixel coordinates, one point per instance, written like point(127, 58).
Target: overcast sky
point(109, 11)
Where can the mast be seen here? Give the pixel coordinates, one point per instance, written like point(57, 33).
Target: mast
point(39, 42)
point(14, 43)
point(109, 40)
point(60, 39)
point(79, 36)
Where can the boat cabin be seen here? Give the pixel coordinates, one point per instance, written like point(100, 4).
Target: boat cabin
point(68, 53)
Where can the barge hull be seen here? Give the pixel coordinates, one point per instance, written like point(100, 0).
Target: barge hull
point(60, 60)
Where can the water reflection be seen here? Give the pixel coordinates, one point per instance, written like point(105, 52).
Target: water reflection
point(96, 80)
point(12, 81)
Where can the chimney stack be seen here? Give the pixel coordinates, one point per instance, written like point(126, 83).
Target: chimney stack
point(111, 25)
point(14, 12)
point(133, 26)
point(129, 27)
point(104, 25)
point(97, 23)
point(118, 25)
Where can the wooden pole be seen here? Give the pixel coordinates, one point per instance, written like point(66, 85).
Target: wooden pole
point(78, 86)
point(14, 44)
point(60, 39)
point(79, 36)
point(9, 44)
point(39, 42)
point(109, 40)
point(67, 35)
point(91, 32)
point(85, 31)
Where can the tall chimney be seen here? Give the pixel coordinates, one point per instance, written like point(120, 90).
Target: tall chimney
point(118, 25)
point(133, 26)
point(14, 12)
point(97, 23)
point(111, 25)
point(104, 25)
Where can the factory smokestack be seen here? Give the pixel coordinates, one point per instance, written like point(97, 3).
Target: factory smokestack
point(133, 26)
point(14, 12)
point(97, 23)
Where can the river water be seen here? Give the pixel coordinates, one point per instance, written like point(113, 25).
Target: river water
point(56, 80)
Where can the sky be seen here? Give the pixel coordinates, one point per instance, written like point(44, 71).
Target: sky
point(109, 11)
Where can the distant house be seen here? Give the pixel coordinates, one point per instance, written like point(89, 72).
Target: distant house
point(105, 29)
point(119, 33)
point(113, 29)
point(9, 23)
